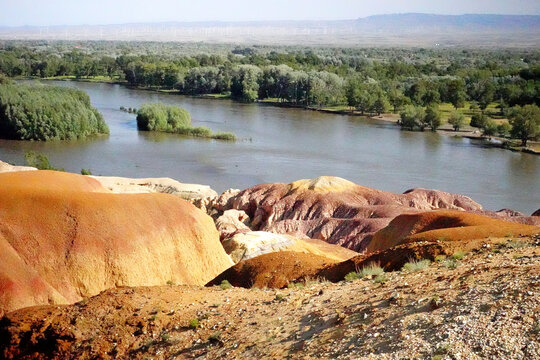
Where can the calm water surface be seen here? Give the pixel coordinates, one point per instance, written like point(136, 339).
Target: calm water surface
point(283, 145)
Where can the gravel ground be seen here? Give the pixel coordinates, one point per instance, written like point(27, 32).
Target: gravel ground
point(485, 305)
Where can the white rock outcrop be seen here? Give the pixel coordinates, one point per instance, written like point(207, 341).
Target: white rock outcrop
point(122, 185)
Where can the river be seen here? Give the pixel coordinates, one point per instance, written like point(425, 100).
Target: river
point(283, 145)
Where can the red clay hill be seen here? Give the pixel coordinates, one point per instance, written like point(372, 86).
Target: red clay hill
point(334, 209)
point(63, 237)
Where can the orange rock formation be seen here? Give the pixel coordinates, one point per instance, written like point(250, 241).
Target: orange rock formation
point(64, 237)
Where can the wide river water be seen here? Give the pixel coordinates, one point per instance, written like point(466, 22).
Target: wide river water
point(283, 145)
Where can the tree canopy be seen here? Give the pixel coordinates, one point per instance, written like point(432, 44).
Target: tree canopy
point(174, 119)
point(525, 123)
point(38, 112)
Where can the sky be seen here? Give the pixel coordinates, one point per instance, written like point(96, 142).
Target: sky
point(93, 12)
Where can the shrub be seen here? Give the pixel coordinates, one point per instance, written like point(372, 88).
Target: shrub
point(415, 265)
point(215, 337)
point(371, 270)
point(201, 131)
point(194, 324)
point(380, 279)
point(39, 161)
point(86, 172)
point(225, 284)
point(227, 136)
point(439, 258)
point(173, 119)
point(34, 112)
point(478, 120)
point(514, 244)
point(458, 255)
point(450, 263)
point(160, 117)
point(352, 276)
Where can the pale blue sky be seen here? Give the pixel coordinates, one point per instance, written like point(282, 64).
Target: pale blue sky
point(75, 12)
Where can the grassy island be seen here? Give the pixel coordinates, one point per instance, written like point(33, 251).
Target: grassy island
point(174, 119)
point(37, 112)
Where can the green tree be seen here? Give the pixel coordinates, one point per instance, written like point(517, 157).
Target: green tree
point(456, 93)
point(33, 112)
point(504, 129)
point(525, 123)
point(478, 120)
point(161, 117)
point(489, 128)
point(244, 83)
point(433, 117)
point(411, 117)
point(456, 119)
point(397, 99)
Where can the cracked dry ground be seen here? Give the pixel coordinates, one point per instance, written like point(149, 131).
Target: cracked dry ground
point(488, 307)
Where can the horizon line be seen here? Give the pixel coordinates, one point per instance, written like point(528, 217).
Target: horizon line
point(265, 21)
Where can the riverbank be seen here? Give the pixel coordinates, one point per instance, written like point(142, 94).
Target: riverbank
point(446, 129)
point(473, 133)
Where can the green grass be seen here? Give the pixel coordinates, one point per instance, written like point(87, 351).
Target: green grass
point(415, 265)
point(371, 270)
point(226, 136)
point(458, 255)
point(352, 276)
point(225, 285)
point(96, 79)
point(514, 244)
point(217, 96)
point(450, 263)
point(194, 324)
point(337, 108)
point(492, 112)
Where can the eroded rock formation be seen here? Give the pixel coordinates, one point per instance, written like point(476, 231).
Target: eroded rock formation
point(444, 226)
point(244, 246)
point(122, 185)
point(5, 167)
point(64, 237)
point(332, 209)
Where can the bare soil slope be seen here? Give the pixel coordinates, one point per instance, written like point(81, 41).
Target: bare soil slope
point(444, 226)
point(273, 270)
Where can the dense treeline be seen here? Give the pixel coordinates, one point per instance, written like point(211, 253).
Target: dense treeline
point(319, 76)
point(47, 113)
point(372, 81)
point(174, 119)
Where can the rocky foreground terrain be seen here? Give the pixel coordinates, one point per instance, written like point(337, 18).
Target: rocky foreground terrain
point(95, 267)
point(483, 304)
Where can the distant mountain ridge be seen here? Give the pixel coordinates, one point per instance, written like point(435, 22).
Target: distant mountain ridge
point(377, 29)
point(412, 22)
